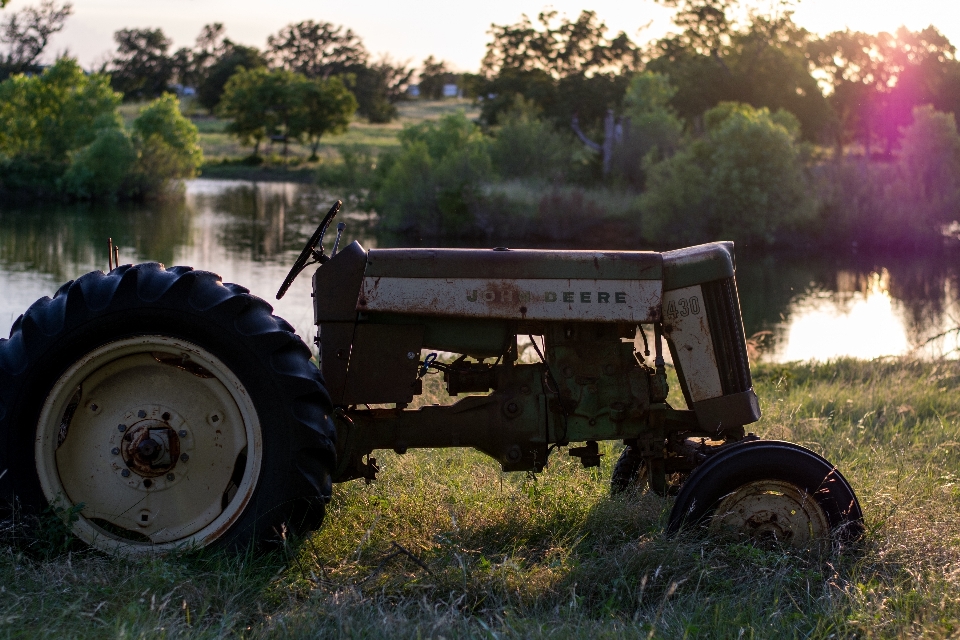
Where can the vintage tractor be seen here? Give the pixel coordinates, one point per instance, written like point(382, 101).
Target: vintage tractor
point(156, 408)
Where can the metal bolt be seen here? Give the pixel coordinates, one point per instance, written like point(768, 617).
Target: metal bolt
point(170, 477)
point(182, 433)
point(141, 414)
point(184, 457)
point(115, 451)
point(125, 473)
point(411, 355)
point(121, 428)
point(148, 483)
point(94, 408)
point(165, 416)
point(215, 418)
point(512, 407)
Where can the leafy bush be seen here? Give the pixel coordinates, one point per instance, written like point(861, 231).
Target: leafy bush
point(743, 180)
point(910, 201)
point(102, 168)
point(45, 117)
point(525, 145)
point(650, 127)
point(64, 135)
point(163, 131)
point(929, 164)
point(430, 185)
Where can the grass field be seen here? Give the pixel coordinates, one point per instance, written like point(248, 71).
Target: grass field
point(445, 545)
point(218, 145)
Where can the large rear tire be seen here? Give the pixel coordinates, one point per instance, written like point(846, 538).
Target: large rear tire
point(160, 409)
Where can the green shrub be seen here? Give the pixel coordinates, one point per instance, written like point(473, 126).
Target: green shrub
point(168, 146)
point(103, 167)
point(928, 192)
point(430, 185)
point(650, 128)
point(525, 145)
point(744, 180)
point(46, 118)
point(63, 134)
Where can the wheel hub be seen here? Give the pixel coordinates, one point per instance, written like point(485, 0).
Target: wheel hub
point(772, 510)
point(150, 448)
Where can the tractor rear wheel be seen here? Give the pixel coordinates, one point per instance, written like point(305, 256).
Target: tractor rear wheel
point(769, 490)
point(159, 408)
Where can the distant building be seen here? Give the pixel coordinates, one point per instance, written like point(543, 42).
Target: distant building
point(413, 91)
point(452, 91)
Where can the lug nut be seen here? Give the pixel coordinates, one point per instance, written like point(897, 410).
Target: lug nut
point(411, 355)
point(125, 473)
point(184, 457)
point(170, 477)
point(182, 433)
point(94, 408)
point(121, 428)
point(165, 416)
point(215, 418)
point(141, 414)
point(115, 451)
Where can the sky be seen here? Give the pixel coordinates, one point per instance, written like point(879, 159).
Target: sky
point(449, 30)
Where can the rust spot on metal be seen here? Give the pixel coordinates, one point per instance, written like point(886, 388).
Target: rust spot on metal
point(182, 362)
point(138, 454)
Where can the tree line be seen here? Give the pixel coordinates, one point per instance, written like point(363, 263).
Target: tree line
point(844, 87)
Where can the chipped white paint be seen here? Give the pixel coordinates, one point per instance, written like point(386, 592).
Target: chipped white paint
point(685, 323)
point(532, 299)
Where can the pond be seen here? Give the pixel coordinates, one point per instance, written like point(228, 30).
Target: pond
point(795, 306)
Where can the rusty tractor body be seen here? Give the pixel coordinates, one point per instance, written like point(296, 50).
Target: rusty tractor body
point(378, 310)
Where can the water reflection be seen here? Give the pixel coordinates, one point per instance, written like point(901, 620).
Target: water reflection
point(812, 306)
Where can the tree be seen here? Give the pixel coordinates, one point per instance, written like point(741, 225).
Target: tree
point(762, 62)
point(877, 80)
point(27, 33)
point(561, 48)
point(322, 50)
point(377, 87)
point(141, 68)
point(433, 76)
point(323, 106)
point(262, 103)
point(565, 67)
point(316, 49)
point(230, 58)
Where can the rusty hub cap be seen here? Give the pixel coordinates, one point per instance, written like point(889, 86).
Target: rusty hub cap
point(156, 439)
point(772, 510)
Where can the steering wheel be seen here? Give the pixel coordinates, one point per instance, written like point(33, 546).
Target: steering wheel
point(310, 251)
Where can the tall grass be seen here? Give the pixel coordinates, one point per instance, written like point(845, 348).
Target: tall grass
point(445, 545)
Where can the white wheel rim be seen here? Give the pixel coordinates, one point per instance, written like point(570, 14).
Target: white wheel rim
point(179, 489)
point(772, 510)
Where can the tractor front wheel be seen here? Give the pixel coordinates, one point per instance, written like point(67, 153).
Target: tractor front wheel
point(769, 491)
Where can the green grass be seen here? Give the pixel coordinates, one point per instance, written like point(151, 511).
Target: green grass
point(218, 145)
point(506, 555)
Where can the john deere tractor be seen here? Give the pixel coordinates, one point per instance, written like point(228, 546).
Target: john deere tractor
point(158, 408)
